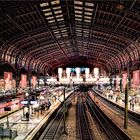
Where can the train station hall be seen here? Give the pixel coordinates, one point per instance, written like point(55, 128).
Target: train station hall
point(69, 69)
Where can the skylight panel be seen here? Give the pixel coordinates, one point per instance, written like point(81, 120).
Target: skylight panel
point(58, 12)
point(78, 7)
point(89, 4)
point(63, 30)
point(78, 16)
point(87, 17)
point(60, 19)
point(59, 16)
point(64, 35)
point(48, 14)
point(46, 10)
point(88, 13)
point(89, 9)
point(55, 2)
point(79, 12)
point(79, 19)
point(87, 20)
point(56, 32)
point(50, 18)
point(44, 4)
point(51, 21)
point(57, 8)
point(78, 2)
point(58, 36)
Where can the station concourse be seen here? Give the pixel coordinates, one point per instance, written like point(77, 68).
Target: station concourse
point(70, 70)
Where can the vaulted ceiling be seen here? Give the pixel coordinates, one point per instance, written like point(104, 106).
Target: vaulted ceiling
point(44, 35)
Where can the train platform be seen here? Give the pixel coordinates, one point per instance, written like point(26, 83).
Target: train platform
point(106, 94)
point(133, 127)
point(26, 129)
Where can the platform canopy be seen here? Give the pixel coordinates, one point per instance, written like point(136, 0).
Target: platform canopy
point(44, 35)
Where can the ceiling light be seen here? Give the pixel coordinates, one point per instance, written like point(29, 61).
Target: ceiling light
point(44, 4)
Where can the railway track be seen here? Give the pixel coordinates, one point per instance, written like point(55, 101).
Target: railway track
point(112, 131)
point(83, 126)
point(54, 128)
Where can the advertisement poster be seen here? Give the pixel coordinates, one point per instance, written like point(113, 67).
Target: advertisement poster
point(8, 80)
point(23, 82)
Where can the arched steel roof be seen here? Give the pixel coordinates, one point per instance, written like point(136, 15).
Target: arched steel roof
point(43, 35)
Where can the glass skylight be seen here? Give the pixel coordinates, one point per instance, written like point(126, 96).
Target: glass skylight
point(89, 4)
point(44, 4)
point(55, 2)
point(78, 7)
point(58, 12)
point(46, 10)
point(88, 13)
point(56, 8)
point(50, 18)
point(79, 19)
point(79, 12)
point(50, 21)
point(87, 17)
point(78, 16)
point(87, 20)
point(88, 9)
point(60, 19)
point(78, 2)
point(59, 16)
point(48, 14)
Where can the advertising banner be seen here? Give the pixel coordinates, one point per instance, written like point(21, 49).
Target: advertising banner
point(124, 79)
point(8, 80)
point(34, 81)
point(23, 82)
point(136, 79)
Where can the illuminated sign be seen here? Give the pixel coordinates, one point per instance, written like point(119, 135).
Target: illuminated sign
point(74, 69)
